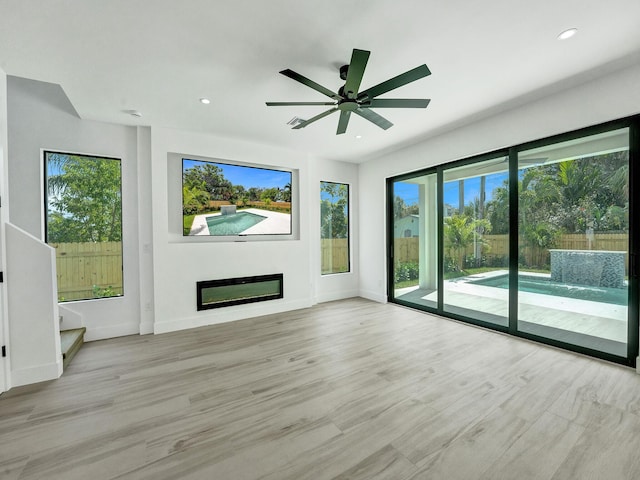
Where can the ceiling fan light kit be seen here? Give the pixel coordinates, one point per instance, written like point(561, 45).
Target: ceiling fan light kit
point(349, 99)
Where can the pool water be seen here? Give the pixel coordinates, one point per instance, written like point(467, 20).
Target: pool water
point(526, 283)
point(233, 224)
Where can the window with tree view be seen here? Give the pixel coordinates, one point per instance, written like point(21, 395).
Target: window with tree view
point(334, 227)
point(84, 224)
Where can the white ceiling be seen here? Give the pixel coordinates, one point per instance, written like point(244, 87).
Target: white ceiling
point(161, 56)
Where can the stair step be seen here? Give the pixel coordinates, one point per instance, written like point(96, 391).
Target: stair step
point(71, 341)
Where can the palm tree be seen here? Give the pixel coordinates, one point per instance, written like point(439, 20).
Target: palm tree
point(460, 231)
point(286, 193)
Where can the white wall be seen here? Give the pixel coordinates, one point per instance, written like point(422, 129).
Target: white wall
point(610, 97)
point(178, 263)
point(160, 268)
point(41, 117)
point(4, 217)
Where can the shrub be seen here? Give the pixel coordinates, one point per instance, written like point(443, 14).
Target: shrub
point(190, 209)
point(406, 271)
point(450, 265)
point(99, 292)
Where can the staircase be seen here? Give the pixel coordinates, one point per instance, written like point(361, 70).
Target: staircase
point(71, 341)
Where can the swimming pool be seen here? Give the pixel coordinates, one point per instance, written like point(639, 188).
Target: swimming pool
point(232, 224)
point(542, 285)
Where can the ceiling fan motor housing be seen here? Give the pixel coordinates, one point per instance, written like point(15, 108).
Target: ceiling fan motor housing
point(344, 70)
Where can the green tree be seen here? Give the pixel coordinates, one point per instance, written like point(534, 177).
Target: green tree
point(498, 210)
point(271, 194)
point(193, 199)
point(399, 208)
point(238, 192)
point(460, 231)
point(254, 194)
point(286, 193)
point(210, 178)
point(334, 204)
point(84, 199)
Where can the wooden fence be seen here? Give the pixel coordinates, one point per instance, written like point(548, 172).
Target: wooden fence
point(216, 204)
point(335, 255)
point(88, 270)
point(406, 249)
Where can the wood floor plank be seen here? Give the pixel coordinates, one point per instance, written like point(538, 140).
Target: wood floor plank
point(473, 452)
point(385, 464)
point(351, 389)
point(538, 452)
point(607, 451)
point(12, 468)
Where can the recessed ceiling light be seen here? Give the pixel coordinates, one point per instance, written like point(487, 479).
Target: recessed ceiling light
point(134, 113)
point(358, 136)
point(567, 34)
point(205, 101)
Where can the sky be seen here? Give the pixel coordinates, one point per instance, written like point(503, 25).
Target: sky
point(409, 191)
point(247, 176)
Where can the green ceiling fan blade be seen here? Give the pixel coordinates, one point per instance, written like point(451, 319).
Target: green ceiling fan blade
point(373, 117)
point(313, 119)
point(349, 98)
point(309, 83)
point(355, 72)
point(395, 82)
point(343, 122)
point(286, 104)
point(397, 103)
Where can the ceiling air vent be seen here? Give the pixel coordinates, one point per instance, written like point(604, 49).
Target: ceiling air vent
point(295, 121)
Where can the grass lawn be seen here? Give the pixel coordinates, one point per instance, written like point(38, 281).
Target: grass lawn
point(406, 283)
point(187, 220)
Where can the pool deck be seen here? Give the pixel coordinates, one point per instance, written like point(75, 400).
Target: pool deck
point(275, 223)
point(596, 319)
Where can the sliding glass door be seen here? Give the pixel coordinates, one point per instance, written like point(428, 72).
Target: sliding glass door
point(476, 240)
point(573, 265)
point(415, 240)
point(536, 240)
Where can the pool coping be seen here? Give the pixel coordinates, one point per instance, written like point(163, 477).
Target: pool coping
point(275, 223)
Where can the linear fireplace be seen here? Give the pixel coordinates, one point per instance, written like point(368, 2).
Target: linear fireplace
point(236, 291)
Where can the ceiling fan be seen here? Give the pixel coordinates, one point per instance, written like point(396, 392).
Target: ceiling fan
point(349, 99)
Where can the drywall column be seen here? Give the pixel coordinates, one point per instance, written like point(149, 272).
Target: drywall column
point(428, 229)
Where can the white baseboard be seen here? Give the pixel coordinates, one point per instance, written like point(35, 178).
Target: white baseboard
point(338, 295)
point(375, 296)
point(39, 373)
point(111, 331)
point(229, 314)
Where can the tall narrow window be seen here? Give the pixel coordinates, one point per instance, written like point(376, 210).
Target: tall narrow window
point(334, 227)
point(84, 224)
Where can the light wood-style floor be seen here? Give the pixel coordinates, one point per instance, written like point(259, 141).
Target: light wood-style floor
point(345, 390)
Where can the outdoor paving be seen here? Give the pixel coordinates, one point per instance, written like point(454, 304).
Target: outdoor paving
point(593, 319)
